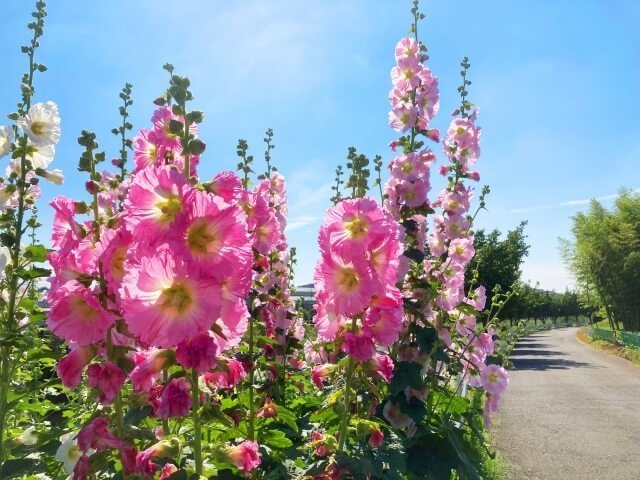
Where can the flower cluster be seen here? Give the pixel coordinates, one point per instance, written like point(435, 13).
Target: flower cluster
point(358, 304)
point(41, 129)
point(156, 280)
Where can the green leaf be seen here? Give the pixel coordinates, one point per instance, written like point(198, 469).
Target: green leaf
point(32, 273)
point(287, 417)
point(135, 416)
point(276, 439)
point(406, 374)
point(36, 253)
point(17, 468)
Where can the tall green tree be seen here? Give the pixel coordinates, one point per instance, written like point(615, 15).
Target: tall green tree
point(604, 256)
point(497, 263)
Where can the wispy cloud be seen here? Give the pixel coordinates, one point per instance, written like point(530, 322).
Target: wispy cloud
point(568, 203)
point(299, 222)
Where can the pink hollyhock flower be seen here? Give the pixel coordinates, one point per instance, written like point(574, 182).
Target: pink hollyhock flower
point(77, 316)
point(383, 365)
point(319, 441)
point(348, 285)
point(226, 185)
point(466, 324)
point(463, 140)
point(145, 149)
point(107, 379)
point(358, 346)
point(376, 438)
point(352, 225)
point(326, 322)
point(64, 228)
point(155, 202)
point(320, 373)
point(461, 250)
point(115, 245)
point(82, 468)
point(70, 367)
point(167, 470)
point(165, 301)
point(216, 233)
point(449, 297)
point(128, 455)
point(148, 368)
point(198, 353)
point(413, 194)
point(403, 118)
point(456, 202)
point(245, 456)
point(494, 379)
point(490, 406)
point(407, 48)
point(175, 400)
point(97, 435)
point(406, 74)
point(478, 298)
point(383, 324)
point(436, 243)
point(228, 375)
point(485, 341)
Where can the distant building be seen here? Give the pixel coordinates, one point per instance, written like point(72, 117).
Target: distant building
point(304, 296)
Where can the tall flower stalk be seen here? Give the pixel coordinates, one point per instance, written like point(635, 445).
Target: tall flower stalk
point(31, 141)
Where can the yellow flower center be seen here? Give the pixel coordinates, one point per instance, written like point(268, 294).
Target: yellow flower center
point(38, 127)
point(177, 298)
point(169, 208)
point(348, 278)
point(492, 377)
point(83, 310)
point(117, 262)
point(357, 227)
point(202, 238)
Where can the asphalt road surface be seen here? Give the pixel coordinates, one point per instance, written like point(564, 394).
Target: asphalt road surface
point(570, 412)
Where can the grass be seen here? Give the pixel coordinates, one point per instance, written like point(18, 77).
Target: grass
point(629, 353)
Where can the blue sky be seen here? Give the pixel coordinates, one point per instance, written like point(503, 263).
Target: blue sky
point(556, 83)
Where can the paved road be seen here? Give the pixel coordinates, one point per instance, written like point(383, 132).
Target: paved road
point(570, 412)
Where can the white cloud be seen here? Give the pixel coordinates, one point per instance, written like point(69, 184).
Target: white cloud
point(568, 203)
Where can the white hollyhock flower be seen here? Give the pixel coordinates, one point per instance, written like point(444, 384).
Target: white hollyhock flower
point(68, 451)
point(27, 437)
point(42, 124)
point(54, 176)
point(6, 137)
point(43, 156)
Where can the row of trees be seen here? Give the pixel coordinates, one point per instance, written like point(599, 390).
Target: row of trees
point(497, 266)
point(604, 256)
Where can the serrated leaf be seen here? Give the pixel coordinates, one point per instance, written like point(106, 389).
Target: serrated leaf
point(287, 417)
point(276, 439)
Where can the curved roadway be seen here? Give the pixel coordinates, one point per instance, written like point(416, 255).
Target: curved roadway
point(570, 412)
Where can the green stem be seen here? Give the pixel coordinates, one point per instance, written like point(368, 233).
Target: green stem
point(5, 379)
point(252, 406)
point(344, 419)
point(197, 432)
point(117, 405)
